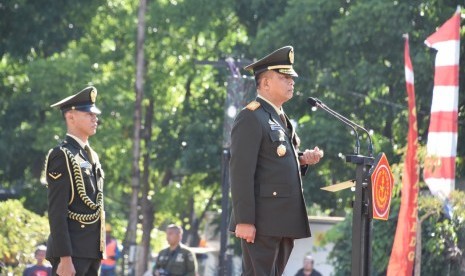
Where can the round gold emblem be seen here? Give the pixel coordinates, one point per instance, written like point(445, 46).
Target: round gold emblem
point(291, 56)
point(281, 150)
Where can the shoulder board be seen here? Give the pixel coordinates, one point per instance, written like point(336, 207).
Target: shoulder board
point(253, 105)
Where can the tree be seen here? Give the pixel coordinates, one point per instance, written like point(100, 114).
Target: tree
point(348, 54)
point(17, 247)
point(136, 156)
point(442, 238)
point(42, 27)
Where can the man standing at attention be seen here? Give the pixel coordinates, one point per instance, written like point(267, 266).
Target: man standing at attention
point(269, 210)
point(74, 179)
point(177, 259)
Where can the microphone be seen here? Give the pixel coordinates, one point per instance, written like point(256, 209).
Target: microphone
point(317, 103)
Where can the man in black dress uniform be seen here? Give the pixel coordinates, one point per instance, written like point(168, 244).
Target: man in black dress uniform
point(74, 177)
point(265, 170)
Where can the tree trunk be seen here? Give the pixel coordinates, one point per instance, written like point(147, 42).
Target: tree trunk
point(146, 204)
point(139, 89)
point(417, 268)
point(192, 237)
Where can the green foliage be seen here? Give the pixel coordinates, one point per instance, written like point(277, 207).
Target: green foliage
point(173, 199)
point(257, 14)
point(42, 26)
point(21, 232)
point(443, 236)
point(443, 239)
point(348, 53)
point(382, 238)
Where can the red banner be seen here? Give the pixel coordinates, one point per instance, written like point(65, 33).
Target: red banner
point(403, 250)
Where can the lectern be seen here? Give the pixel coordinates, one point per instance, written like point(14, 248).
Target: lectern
point(373, 190)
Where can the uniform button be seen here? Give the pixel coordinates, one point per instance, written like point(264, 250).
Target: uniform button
point(82, 226)
point(275, 193)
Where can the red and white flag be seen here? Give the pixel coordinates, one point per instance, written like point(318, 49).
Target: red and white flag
point(403, 250)
point(439, 170)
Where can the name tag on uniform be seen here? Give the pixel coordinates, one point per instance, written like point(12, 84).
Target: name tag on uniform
point(85, 165)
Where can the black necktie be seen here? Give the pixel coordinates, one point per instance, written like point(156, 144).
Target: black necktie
point(91, 160)
point(89, 154)
point(283, 119)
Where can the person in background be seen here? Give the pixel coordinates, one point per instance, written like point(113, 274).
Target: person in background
point(307, 269)
point(108, 266)
point(41, 268)
point(177, 259)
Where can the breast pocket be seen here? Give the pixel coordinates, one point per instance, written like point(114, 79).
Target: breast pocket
point(86, 169)
point(279, 143)
point(178, 267)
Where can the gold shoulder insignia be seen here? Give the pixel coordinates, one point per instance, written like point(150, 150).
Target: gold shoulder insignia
point(253, 105)
point(54, 175)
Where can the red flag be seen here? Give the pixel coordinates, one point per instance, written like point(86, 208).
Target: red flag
point(403, 250)
point(439, 172)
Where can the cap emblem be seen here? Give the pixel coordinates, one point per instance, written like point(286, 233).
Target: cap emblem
point(93, 95)
point(291, 56)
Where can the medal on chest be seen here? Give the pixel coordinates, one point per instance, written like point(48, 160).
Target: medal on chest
point(281, 150)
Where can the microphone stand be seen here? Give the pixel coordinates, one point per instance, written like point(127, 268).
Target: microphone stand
point(362, 216)
point(348, 122)
point(362, 211)
point(318, 103)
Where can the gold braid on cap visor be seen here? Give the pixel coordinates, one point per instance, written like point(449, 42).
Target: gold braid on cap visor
point(279, 67)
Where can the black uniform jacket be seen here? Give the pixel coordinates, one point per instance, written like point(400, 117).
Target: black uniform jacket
point(266, 188)
point(76, 237)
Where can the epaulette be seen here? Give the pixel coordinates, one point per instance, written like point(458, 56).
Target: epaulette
point(253, 105)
